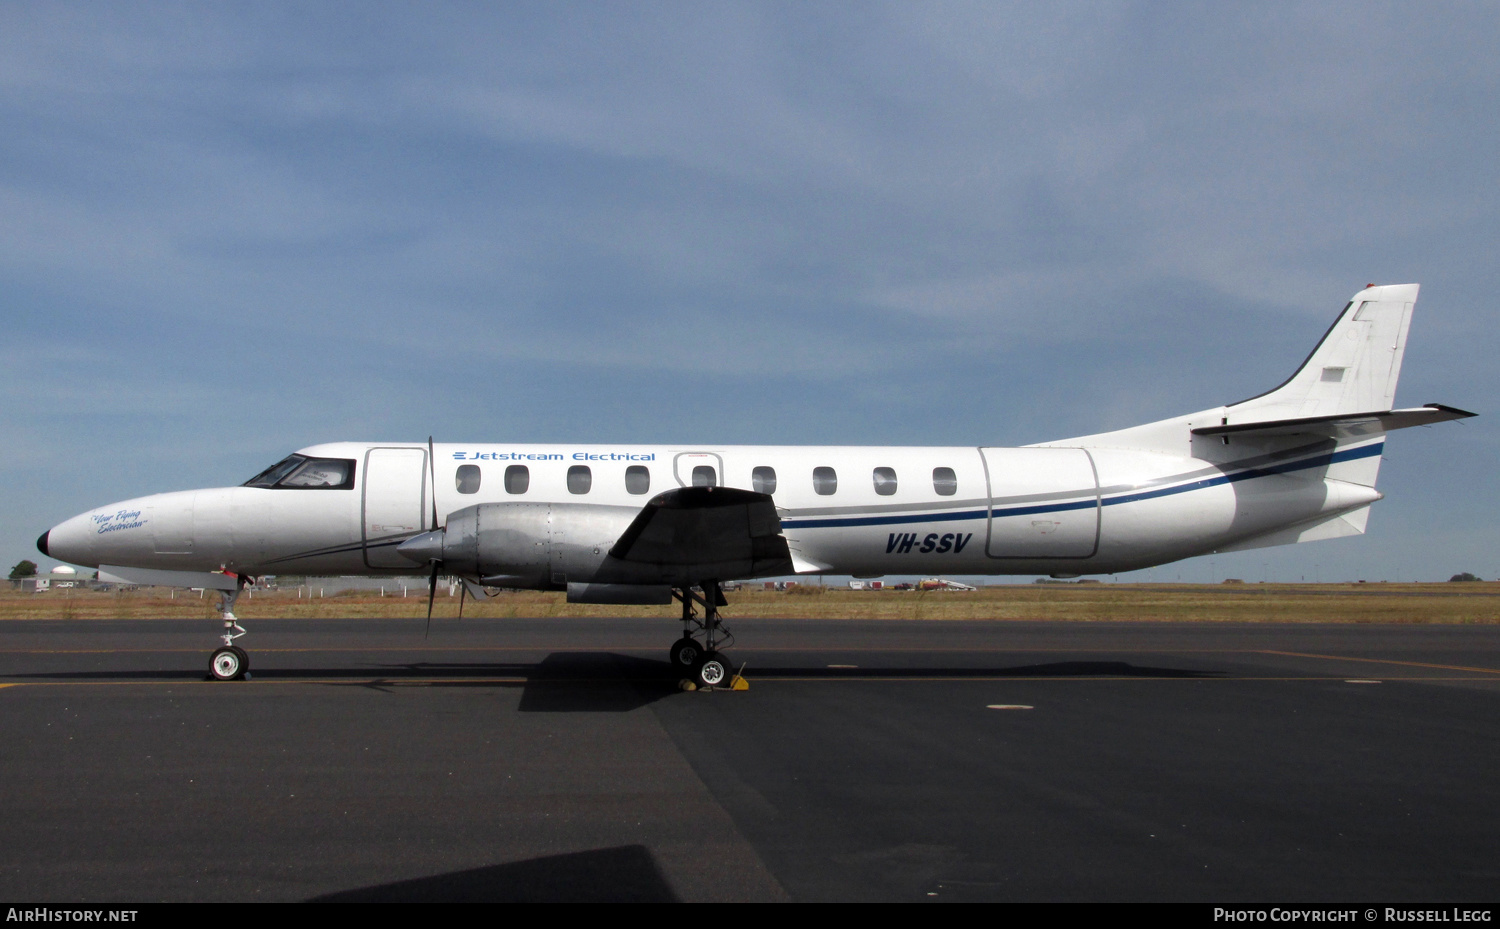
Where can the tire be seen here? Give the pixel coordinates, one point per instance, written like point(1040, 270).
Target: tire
point(712, 671)
point(226, 664)
point(244, 660)
point(686, 652)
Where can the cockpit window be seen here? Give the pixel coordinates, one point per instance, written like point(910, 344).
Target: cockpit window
point(275, 472)
point(320, 472)
point(303, 473)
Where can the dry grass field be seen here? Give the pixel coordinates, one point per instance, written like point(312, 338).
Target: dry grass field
point(1344, 603)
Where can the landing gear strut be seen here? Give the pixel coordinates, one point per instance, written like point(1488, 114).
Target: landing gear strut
point(705, 666)
point(230, 662)
point(687, 650)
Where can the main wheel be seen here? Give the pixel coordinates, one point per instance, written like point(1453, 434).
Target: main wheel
point(712, 670)
point(226, 663)
point(685, 653)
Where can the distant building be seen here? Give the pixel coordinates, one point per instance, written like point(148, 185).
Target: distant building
point(61, 577)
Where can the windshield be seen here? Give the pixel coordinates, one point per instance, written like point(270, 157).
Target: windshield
point(275, 472)
point(301, 472)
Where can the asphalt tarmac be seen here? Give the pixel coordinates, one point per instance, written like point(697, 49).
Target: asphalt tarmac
point(557, 759)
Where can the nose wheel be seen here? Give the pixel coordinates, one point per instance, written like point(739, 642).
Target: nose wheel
point(229, 663)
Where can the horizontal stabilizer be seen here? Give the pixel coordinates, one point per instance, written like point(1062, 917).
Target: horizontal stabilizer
point(707, 533)
point(1346, 425)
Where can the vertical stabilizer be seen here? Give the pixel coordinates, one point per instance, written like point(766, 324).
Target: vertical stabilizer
point(1343, 394)
point(1354, 368)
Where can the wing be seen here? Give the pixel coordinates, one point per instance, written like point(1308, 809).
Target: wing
point(694, 534)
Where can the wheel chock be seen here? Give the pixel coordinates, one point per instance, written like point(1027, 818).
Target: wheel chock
point(687, 685)
point(738, 683)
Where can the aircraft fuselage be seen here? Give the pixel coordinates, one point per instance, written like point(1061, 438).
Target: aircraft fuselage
point(846, 510)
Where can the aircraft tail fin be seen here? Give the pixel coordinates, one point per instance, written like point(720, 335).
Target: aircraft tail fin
point(1343, 394)
point(1353, 369)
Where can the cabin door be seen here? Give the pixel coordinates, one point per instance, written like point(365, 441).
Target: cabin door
point(1044, 503)
point(395, 504)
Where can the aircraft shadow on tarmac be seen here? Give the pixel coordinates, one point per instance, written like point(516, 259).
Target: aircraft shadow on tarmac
point(595, 682)
point(625, 874)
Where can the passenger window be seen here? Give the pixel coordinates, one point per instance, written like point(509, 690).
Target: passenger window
point(580, 479)
point(637, 479)
point(517, 479)
point(763, 480)
point(704, 476)
point(825, 481)
point(885, 481)
point(467, 479)
point(944, 481)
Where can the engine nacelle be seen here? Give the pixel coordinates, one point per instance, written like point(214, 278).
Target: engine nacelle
point(680, 537)
point(538, 546)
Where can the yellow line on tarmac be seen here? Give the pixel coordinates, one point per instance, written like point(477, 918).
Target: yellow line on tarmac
point(221, 687)
point(1409, 664)
point(402, 682)
point(1000, 679)
point(331, 648)
point(955, 649)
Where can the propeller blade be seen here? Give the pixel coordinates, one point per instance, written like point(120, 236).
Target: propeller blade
point(432, 469)
point(431, 595)
point(463, 591)
point(432, 581)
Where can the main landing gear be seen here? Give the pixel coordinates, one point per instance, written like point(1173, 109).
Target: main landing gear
point(229, 661)
point(700, 661)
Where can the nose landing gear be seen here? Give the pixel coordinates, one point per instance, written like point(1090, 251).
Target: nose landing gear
point(229, 662)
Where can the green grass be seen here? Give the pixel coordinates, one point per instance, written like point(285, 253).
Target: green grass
point(1290, 603)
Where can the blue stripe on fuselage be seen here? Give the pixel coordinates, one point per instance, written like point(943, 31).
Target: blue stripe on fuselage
point(1352, 454)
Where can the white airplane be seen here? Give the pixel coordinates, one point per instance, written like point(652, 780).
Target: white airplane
point(645, 524)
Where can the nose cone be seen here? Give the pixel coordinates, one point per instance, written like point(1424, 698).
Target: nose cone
point(120, 533)
point(423, 549)
point(71, 541)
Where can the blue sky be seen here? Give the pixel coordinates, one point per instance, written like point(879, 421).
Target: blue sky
point(231, 230)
